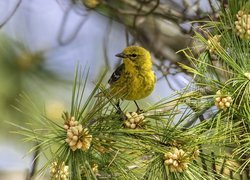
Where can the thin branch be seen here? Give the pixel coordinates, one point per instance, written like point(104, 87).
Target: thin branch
point(135, 17)
point(35, 162)
point(214, 166)
point(129, 12)
point(106, 43)
point(203, 162)
point(231, 174)
point(211, 6)
point(223, 166)
point(11, 14)
point(127, 36)
point(75, 32)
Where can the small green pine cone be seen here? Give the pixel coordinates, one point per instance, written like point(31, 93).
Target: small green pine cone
point(242, 25)
point(77, 137)
point(223, 101)
point(134, 120)
point(214, 44)
point(176, 160)
point(59, 171)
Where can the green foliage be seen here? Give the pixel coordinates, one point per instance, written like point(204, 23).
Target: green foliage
point(222, 69)
point(119, 152)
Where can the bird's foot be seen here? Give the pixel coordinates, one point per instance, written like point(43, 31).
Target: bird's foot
point(139, 111)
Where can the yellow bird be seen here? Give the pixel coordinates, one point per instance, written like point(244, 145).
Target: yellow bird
point(134, 79)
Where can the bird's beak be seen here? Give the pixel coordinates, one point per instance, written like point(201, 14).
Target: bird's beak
point(121, 55)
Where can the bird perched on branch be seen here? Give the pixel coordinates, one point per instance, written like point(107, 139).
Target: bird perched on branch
point(134, 79)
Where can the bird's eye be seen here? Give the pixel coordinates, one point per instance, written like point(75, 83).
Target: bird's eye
point(133, 55)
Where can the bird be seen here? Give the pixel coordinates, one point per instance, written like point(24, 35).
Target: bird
point(134, 79)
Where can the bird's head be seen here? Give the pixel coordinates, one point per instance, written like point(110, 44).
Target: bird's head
point(136, 55)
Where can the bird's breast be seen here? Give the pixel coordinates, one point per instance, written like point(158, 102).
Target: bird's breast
point(140, 84)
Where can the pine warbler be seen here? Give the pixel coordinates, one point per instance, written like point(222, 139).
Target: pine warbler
point(134, 79)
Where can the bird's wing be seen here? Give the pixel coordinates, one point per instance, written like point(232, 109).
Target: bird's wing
point(117, 74)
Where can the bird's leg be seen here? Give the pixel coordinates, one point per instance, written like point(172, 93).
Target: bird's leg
point(139, 110)
point(119, 111)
